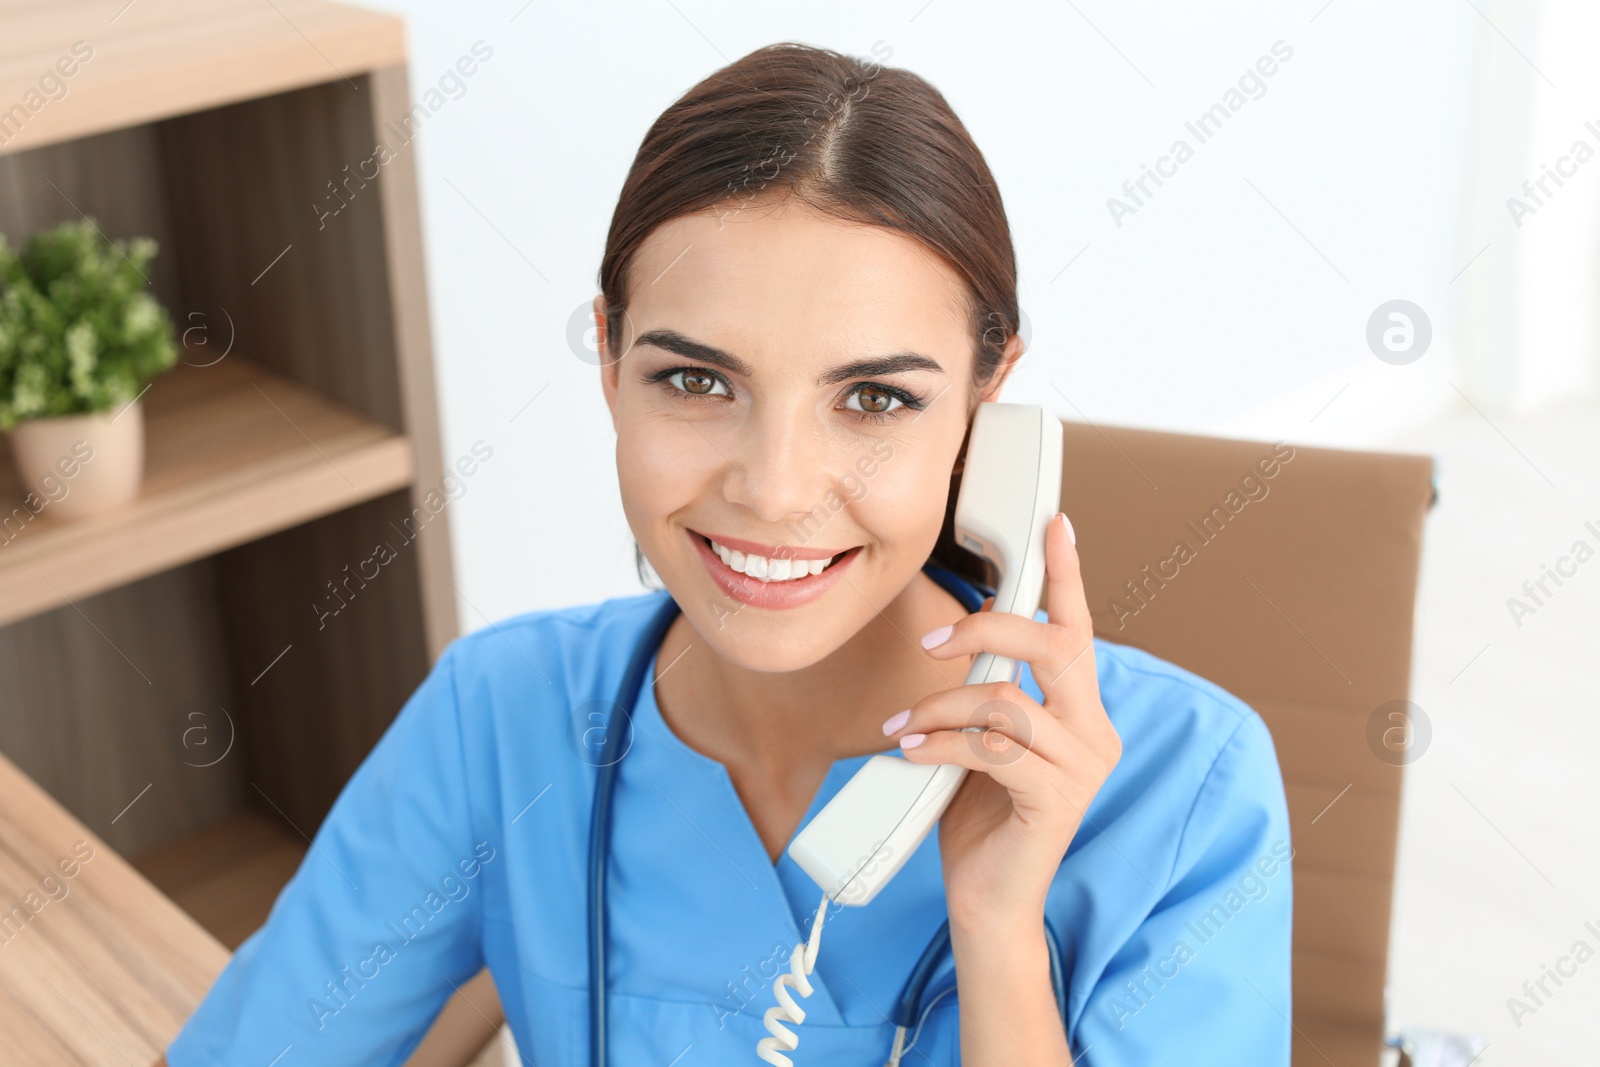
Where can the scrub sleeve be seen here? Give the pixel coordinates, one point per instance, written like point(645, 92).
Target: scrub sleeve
point(1205, 977)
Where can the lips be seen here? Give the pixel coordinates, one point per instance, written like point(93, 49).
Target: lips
point(771, 568)
point(774, 595)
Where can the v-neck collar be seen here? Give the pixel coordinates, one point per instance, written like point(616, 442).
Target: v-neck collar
point(650, 721)
point(653, 729)
point(906, 913)
point(746, 852)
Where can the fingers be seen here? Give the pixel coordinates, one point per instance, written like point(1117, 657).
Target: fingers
point(1071, 675)
point(1005, 634)
point(1064, 599)
point(1071, 724)
point(1060, 651)
point(1012, 765)
point(1006, 721)
point(1059, 791)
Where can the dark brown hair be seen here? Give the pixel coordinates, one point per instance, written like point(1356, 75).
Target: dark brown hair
point(849, 139)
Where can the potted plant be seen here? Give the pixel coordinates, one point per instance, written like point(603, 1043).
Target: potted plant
point(79, 338)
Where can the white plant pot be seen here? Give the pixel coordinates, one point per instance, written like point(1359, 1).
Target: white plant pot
point(81, 464)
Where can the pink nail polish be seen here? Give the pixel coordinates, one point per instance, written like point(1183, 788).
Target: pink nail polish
point(935, 638)
point(1071, 534)
point(911, 740)
point(896, 721)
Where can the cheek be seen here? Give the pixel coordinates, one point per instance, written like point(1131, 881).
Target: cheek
point(662, 465)
point(902, 502)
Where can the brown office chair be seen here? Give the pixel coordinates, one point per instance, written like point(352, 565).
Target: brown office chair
point(1296, 594)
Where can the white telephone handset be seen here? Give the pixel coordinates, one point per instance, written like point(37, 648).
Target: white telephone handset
point(1010, 490)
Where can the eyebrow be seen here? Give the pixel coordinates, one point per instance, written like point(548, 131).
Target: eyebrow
point(893, 363)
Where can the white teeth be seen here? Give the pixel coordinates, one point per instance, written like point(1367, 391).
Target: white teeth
point(769, 570)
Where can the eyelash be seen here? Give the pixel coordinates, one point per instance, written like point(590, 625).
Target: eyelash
point(908, 401)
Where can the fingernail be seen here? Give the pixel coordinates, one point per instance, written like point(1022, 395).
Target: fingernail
point(934, 638)
point(911, 740)
point(896, 721)
point(1071, 535)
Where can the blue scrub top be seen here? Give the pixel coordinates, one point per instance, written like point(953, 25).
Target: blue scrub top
point(462, 841)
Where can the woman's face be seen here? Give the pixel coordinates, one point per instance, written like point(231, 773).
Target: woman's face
point(797, 389)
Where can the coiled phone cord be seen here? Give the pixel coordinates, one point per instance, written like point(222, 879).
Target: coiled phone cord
point(801, 962)
point(804, 959)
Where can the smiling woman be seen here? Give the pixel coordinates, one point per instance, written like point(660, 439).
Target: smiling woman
point(875, 216)
point(775, 349)
point(807, 291)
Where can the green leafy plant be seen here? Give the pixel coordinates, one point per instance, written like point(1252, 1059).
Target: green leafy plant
point(79, 332)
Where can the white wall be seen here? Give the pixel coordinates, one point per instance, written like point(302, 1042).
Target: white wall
point(1536, 302)
point(1234, 301)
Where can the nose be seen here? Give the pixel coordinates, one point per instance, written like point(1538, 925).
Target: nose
point(777, 464)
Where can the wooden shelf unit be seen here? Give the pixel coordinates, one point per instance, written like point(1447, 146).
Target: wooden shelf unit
point(227, 875)
point(217, 127)
point(225, 129)
point(154, 59)
point(232, 453)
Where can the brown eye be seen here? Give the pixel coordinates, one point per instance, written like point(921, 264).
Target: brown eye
point(696, 383)
point(875, 401)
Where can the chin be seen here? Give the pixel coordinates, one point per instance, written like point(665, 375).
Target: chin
point(771, 654)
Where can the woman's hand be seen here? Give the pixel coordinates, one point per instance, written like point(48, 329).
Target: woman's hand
point(1005, 833)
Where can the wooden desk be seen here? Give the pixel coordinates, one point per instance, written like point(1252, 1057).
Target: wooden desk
point(97, 967)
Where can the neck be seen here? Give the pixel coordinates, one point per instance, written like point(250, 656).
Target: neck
point(799, 720)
